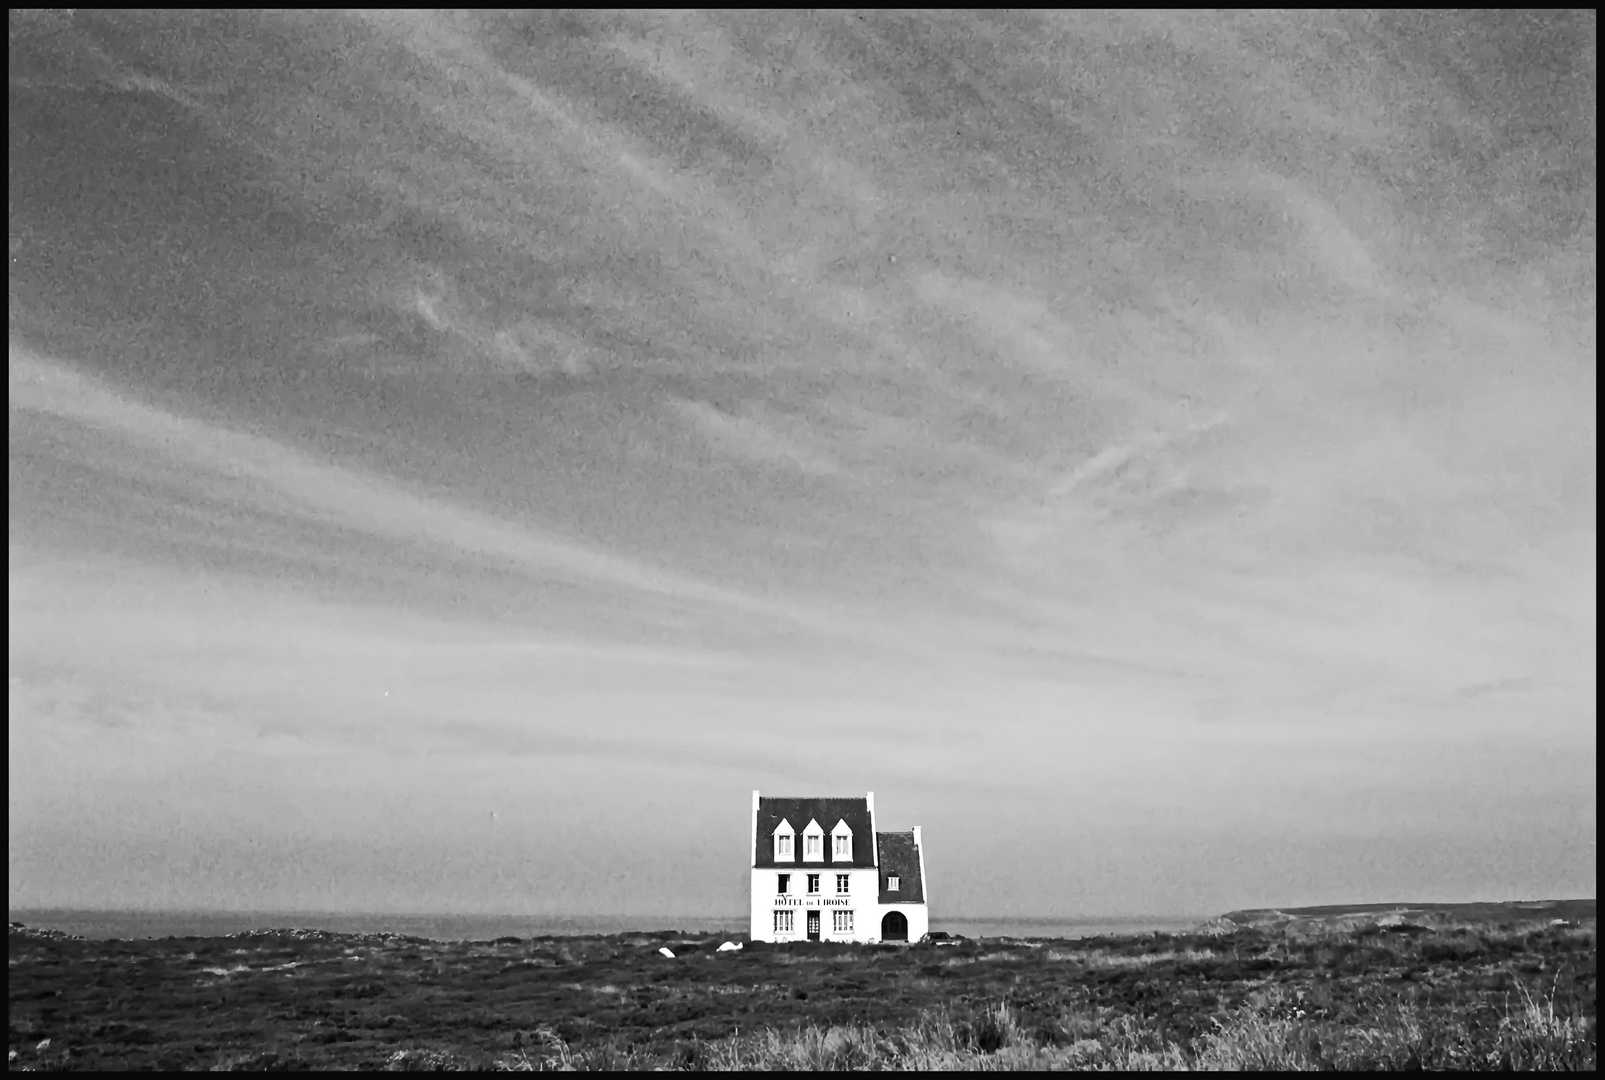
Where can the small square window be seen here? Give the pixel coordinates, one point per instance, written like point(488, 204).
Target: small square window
point(782, 883)
point(813, 884)
point(842, 922)
point(843, 884)
point(783, 922)
point(892, 884)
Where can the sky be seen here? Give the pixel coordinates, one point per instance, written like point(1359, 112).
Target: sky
point(456, 457)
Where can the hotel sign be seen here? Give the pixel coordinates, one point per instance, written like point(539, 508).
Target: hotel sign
point(813, 901)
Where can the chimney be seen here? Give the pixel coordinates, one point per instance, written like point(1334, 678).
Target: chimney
point(925, 882)
point(874, 837)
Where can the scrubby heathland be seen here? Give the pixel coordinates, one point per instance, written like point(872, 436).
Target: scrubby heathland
point(1465, 996)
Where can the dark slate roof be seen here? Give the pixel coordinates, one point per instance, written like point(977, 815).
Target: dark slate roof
point(900, 858)
point(799, 812)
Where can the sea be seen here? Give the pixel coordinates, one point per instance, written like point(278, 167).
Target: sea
point(102, 925)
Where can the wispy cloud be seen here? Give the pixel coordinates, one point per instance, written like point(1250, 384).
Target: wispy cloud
point(352, 498)
point(750, 436)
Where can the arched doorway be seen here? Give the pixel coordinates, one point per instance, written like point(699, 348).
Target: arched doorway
point(894, 927)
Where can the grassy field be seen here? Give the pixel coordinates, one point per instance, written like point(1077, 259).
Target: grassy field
point(1404, 996)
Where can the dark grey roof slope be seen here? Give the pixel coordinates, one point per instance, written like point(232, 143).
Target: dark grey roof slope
point(799, 812)
point(900, 859)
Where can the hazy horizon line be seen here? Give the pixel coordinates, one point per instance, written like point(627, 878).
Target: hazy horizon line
point(347, 913)
point(740, 915)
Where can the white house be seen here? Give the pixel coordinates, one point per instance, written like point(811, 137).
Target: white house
point(822, 872)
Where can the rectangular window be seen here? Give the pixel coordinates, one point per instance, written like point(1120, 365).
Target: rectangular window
point(783, 846)
point(782, 883)
point(842, 883)
point(842, 922)
point(782, 922)
point(811, 850)
point(813, 884)
point(844, 847)
point(892, 884)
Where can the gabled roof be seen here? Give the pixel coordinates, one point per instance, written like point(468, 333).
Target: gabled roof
point(772, 810)
point(899, 858)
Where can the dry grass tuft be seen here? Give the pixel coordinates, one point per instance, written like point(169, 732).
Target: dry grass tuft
point(1534, 1036)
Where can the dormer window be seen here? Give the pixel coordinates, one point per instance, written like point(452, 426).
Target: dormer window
point(783, 842)
point(841, 843)
point(892, 884)
point(813, 842)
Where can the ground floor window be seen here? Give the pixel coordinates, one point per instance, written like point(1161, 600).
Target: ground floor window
point(842, 922)
point(783, 922)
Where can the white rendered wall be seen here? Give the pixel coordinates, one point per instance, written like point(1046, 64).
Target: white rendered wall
point(763, 896)
point(862, 899)
point(918, 916)
point(919, 919)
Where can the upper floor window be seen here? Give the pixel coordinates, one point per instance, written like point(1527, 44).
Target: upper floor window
point(843, 884)
point(813, 841)
point(892, 884)
point(783, 845)
point(813, 884)
point(782, 883)
point(841, 842)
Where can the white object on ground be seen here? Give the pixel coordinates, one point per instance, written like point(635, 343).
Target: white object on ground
point(665, 952)
point(729, 946)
